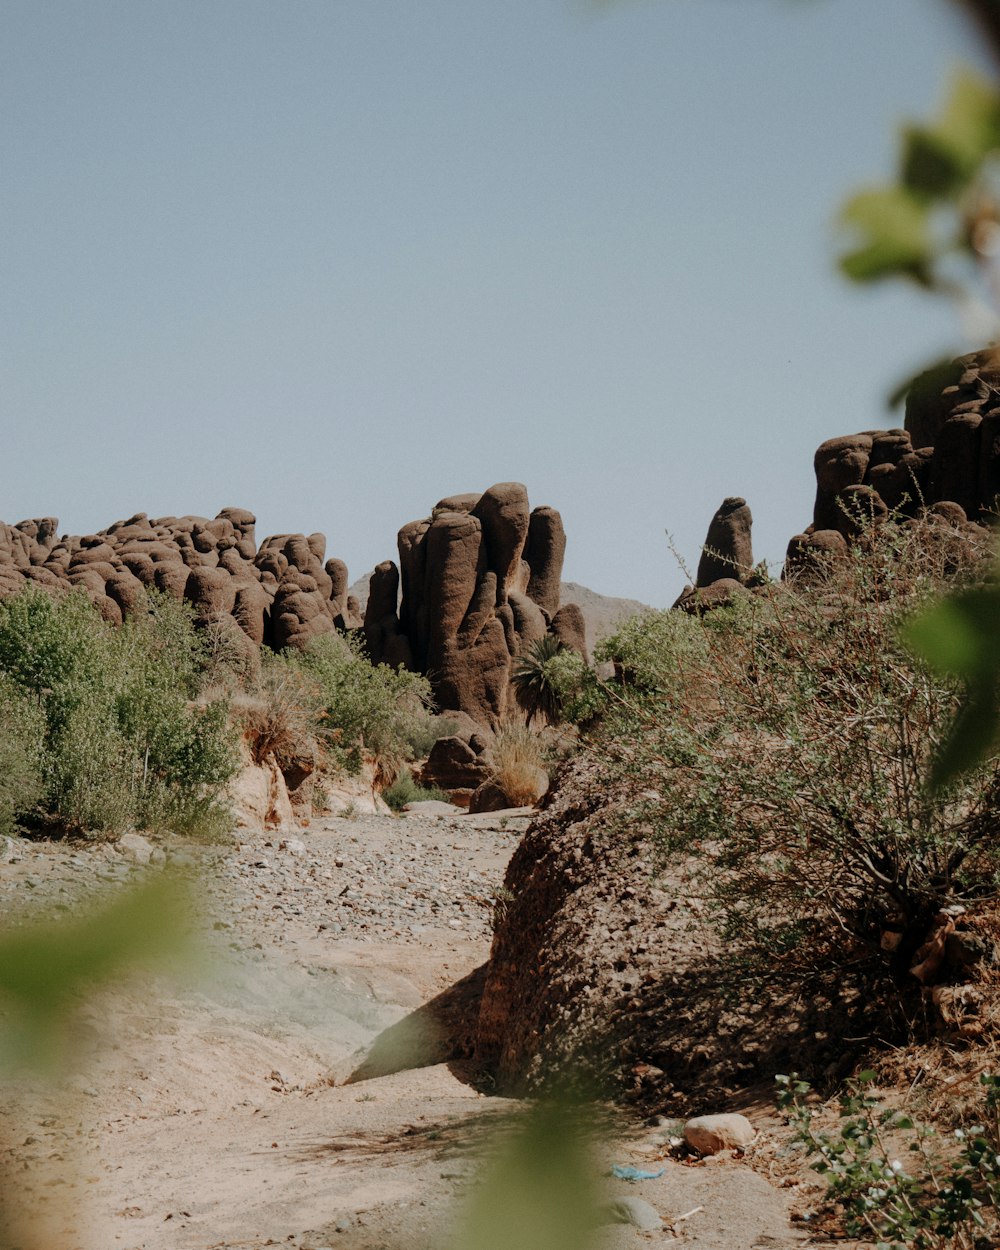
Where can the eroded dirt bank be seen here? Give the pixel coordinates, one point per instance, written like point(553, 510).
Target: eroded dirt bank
point(222, 1114)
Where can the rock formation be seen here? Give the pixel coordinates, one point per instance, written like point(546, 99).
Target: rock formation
point(280, 595)
point(943, 466)
point(479, 582)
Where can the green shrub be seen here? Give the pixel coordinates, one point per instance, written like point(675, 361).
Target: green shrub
point(405, 790)
point(22, 738)
point(784, 746)
point(899, 1181)
point(424, 729)
point(366, 706)
point(124, 740)
point(653, 651)
point(579, 694)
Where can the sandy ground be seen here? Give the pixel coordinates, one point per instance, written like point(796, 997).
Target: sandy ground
point(218, 1114)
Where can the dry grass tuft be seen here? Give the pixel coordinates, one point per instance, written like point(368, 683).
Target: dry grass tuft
point(518, 760)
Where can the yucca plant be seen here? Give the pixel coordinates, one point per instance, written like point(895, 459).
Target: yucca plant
point(534, 690)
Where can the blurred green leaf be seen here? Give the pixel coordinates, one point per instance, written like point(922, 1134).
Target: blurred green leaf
point(969, 124)
point(957, 636)
point(538, 1193)
point(931, 166)
point(47, 966)
point(892, 228)
point(972, 737)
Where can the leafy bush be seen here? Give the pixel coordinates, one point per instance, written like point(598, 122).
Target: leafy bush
point(785, 744)
point(281, 714)
point(365, 706)
point(123, 739)
point(423, 730)
point(22, 736)
point(897, 1180)
point(405, 790)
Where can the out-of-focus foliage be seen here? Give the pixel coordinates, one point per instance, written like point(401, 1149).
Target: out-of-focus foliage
point(957, 637)
point(538, 1192)
point(938, 223)
point(48, 966)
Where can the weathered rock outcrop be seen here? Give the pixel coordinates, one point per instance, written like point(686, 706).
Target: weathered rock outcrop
point(728, 550)
point(602, 966)
point(942, 466)
point(479, 582)
point(282, 595)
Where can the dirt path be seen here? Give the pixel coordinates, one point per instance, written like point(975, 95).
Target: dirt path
point(219, 1115)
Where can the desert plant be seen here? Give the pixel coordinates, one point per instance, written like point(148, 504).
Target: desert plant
point(281, 713)
point(424, 729)
point(893, 1178)
point(22, 735)
point(367, 707)
point(125, 740)
point(517, 763)
point(534, 689)
point(405, 790)
point(785, 744)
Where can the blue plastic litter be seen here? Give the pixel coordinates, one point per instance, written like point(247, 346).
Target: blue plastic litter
point(626, 1173)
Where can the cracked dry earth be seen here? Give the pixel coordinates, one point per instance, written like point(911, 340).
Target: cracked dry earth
point(218, 1114)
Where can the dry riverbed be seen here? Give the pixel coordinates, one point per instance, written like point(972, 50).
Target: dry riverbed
point(219, 1114)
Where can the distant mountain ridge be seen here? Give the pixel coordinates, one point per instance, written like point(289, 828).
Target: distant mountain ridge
point(601, 613)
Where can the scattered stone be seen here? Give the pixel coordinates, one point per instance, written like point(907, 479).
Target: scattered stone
point(635, 1211)
point(709, 1134)
point(431, 807)
point(136, 847)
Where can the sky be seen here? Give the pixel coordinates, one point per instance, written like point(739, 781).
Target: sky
point(333, 260)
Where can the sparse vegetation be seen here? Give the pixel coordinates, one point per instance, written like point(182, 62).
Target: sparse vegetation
point(365, 707)
point(517, 761)
point(784, 745)
point(405, 790)
point(898, 1180)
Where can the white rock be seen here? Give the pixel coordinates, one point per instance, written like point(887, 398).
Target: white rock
point(431, 807)
point(708, 1134)
point(136, 847)
point(294, 846)
point(635, 1211)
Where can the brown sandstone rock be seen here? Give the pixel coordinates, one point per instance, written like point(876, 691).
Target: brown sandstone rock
point(860, 508)
point(814, 555)
point(728, 550)
point(504, 513)
point(955, 465)
point(544, 552)
point(839, 462)
point(570, 628)
point(697, 600)
point(455, 764)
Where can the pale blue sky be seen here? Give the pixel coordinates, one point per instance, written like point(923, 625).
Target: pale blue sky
point(334, 259)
